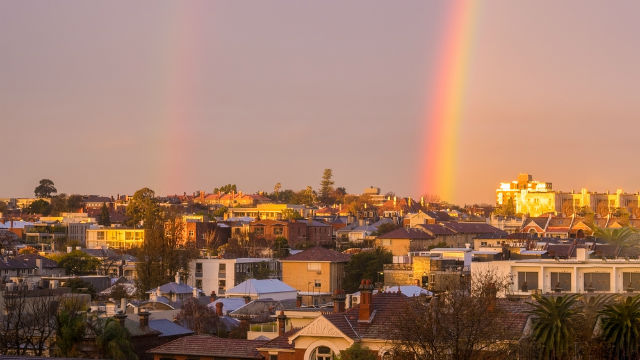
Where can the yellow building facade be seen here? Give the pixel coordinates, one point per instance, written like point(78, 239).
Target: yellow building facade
point(115, 238)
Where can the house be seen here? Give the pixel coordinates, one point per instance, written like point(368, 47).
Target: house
point(324, 337)
point(175, 292)
point(262, 289)
point(315, 273)
point(295, 232)
point(206, 347)
point(402, 240)
point(360, 230)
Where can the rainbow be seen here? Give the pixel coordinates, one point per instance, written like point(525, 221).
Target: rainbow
point(444, 110)
point(180, 71)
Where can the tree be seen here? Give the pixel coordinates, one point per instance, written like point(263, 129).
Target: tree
point(198, 317)
point(506, 209)
point(71, 325)
point(79, 286)
point(339, 194)
point(45, 189)
point(621, 327)
point(555, 322)
point(58, 204)
point(326, 187)
point(118, 292)
point(357, 352)
point(79, 263)
point(463, 322)
point(365, 265)
point(226, 189)
point(276, 191)
point(104, 219)
point(74, 203)
point(291, 214)
point(280, 247)
point(143, 207)
point(39, 206)
point(624, 236)
point(113, 340)
point(3, 207)
point(219, 212)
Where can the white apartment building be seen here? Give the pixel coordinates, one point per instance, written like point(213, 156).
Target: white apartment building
point(578, 275)
point(219, 275)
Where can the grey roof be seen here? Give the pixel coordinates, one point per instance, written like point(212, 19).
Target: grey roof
point(254, 286)
point(168, 328)
point(173, 287)
point(228, 304)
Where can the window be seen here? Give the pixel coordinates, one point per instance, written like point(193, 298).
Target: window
point(258, 230)
point(597, 282)
point(322, 353)
point(527, 281)
point(631, 281)
point(199, 283)
point(278, 230)
point(128, 235)
point(560, 281)
point(273, 357)
point(191, 233)
point(222, 286)
point(386, 242)
point(222, 267)
point(138, 235)
point(100, 235)
point(317, 267)
point(198, 269)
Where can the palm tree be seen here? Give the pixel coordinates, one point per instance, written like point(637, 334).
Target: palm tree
point(554, 320)
point(590, 307)
point(621, 237)
point(621, 327)
point(113, 341)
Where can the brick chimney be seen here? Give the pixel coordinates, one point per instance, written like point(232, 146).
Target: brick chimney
point(219, 306)
point(366, 301)
point(338, 301)
point(282, 323)
point(299, 300)
point(144, 319)
point(120, 316)
point(213, 296)
point(247, 299)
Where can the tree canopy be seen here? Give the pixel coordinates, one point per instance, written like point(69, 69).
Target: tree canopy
point(365, 265)
point(79, 263)
point(45, 189)
point(326, 187)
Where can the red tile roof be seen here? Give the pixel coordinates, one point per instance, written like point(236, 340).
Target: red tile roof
point(319, 253)
point(211, 346)
point(472, 228)
point(436, 229)
point(402, 233)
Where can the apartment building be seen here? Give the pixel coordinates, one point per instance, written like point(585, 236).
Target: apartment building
point(114, 238)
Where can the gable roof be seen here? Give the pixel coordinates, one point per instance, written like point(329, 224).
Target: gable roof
point(436, 229)
point(411, 233)
point(173, 287)
point(472, 228)
point(211, 346)
point(319, 253)
point(168, 328)
point(256, 287)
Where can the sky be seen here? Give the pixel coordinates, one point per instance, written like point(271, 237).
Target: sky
point(106, 97)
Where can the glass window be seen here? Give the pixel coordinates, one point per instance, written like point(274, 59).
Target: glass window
point(258, 230)
point(199, 283)
point(191, 233)
point(597, 282)
point(561, 281)
point(273, 357)
point(278, 230)
point(322, 353)
point(128, 235)
point(527, 281)
point(222, 267)
point(631, 281)
point(314, 267)
point(100, 235)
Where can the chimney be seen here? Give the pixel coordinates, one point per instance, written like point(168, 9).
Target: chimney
point(282, 323)
point(298, 300)
point(123, 304)
point(177, 278)
point(338, 301)
point(120, 316)
point(219, 306)
point(144, 319)
point(195, 292)
point(39, 265)
point(213, 296)
point(247, 299)
point(366, 297)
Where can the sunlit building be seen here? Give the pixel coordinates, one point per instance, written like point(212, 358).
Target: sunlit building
point(114, 238)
